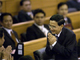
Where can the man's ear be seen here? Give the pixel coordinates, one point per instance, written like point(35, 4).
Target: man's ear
point(62, 25)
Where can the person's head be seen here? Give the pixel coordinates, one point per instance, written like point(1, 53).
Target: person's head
point(26, 5)
point(0, 6)
point(62, 9)
point(39, 16)
point(1, 37)
point(56, 23)
point(6, 20)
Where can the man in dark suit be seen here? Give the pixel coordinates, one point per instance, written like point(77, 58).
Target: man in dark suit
point(38, 29)
point(26, 14)
point(10, 36)
point(61, 41)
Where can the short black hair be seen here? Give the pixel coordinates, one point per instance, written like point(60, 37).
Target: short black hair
point(58, 18)
point(1, 3)
point(60, 4)
point(38, 11)
point(1, 32)
point(4, 14)
point(21, 2)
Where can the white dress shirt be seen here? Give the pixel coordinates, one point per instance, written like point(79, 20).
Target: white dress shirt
point(51, 46)
point(66, 20)
point(43, 29)
point(9, 32)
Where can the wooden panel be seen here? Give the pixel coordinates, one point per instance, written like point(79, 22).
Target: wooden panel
point(3, 6)
point(43, 3)
point(77, 32)
point(21, 27)
point(31, 46)
point(36, 4)
point(12, 5)
point(75, 18)
point(50, 10)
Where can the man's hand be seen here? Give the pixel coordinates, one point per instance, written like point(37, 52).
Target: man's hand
point(10, 58)
point(9, 49)
point(51, 38)
point(6, 52)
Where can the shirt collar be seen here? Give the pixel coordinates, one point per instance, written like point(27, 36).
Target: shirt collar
point(8, 30)
point(39, 26)
point(59, 33)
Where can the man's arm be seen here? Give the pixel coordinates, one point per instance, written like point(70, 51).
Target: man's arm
point(68, 50)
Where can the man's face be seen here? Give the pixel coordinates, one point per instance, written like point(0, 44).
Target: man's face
point(7, 22)
point(0, 7)
point(2, 40)
point(39, 18)
point(54, 27)
point(63, 10)
point(26, 6)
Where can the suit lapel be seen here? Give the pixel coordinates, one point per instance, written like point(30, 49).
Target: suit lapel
point(62, 36)
point(38, 30)
point(6, 34)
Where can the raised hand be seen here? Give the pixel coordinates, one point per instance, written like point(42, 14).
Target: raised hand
point(51, 38)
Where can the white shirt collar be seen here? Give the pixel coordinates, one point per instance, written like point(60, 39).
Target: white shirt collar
point(59, 33)
point(8, 30)
point(39, 26)
point(29, 13)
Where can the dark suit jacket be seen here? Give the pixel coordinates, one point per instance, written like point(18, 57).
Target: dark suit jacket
point(34, 32)
point(73, 4)
point(65, 48)
point(9, 40)
point(23, 16)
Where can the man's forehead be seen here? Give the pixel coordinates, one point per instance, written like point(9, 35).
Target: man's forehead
point(53, 23)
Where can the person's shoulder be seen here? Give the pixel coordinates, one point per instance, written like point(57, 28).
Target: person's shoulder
point(31, 27)
point(21, 12)
point(68, 31)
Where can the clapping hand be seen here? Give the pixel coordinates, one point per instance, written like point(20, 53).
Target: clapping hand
point(51, 38)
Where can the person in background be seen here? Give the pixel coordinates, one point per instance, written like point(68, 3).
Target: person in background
point(38, 29)
point(4, 52)
point(61, 42)
point(74, 4)
point(26, 14)
point(10, 36)
point(63, 10)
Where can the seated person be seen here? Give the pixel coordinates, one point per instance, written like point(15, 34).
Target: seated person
point(74, 4)
point(4, 52)
point(26, 14)
point(10, 36)
point(38, 29)
point(63, 10)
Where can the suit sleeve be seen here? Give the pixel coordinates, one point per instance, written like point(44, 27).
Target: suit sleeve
point(68, 50)
point(30, 34)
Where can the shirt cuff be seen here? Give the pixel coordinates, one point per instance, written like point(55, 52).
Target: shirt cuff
point(51, 46)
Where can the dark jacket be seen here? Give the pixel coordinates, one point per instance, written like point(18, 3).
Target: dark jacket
point(23, 16)
point(34, 32)
point(9, 40)
point(65, 48)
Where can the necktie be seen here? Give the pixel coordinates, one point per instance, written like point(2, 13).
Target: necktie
point(14, 38)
